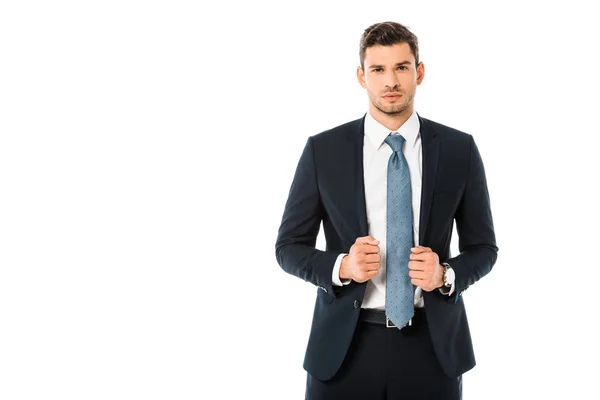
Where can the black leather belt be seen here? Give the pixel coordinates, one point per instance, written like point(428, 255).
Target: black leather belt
point(378, 317)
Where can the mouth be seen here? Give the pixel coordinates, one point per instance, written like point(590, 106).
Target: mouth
point(394, 96)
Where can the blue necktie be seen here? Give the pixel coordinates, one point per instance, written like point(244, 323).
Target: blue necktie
point(399, 298)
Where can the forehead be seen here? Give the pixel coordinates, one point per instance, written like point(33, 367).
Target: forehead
point(388, 55)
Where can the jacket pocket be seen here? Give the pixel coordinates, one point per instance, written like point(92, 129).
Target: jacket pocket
point(324, 297)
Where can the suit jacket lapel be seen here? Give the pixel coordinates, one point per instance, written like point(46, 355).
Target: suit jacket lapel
point(361, 208)
point(431, 150)
point(348, 179)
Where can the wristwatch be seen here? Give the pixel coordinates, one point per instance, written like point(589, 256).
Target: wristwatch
point(448, 275)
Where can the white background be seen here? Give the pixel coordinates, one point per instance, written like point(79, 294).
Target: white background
point(146, 152)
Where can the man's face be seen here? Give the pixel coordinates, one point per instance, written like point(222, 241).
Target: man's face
point(391, 78)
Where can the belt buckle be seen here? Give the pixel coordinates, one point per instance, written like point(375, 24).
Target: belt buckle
point(390, 324)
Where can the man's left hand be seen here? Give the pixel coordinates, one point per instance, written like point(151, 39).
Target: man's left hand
point(425, 270)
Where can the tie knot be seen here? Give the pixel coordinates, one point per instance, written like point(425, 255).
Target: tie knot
point(395, 142)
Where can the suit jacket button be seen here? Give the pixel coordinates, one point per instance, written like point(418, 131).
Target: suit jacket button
point(356, 304)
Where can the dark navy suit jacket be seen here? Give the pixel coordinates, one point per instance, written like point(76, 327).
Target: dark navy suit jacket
point(328, 187)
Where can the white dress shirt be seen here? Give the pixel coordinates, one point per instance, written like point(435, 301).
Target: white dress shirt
point(376, 154)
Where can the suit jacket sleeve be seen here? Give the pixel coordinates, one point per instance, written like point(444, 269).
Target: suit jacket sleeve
point(476, 238)
point(302, 216)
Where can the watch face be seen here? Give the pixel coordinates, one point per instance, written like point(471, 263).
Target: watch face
point(449, 277)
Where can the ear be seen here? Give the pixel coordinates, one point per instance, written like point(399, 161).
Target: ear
point(420, 73)
point(360, 75)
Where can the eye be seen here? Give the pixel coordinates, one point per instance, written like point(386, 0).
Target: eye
point(377, 69)
point(402, 67)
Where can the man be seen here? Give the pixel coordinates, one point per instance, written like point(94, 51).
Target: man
point(389, 319)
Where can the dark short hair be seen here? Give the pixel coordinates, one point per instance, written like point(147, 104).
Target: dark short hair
point(387, 34)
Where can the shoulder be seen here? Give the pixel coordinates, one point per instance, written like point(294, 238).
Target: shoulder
point(346, 131)
point(443, 132)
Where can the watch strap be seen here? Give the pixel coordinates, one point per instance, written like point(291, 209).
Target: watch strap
point(446, 266)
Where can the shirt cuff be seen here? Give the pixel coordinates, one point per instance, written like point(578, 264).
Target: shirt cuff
point(445, 291)
point(335, 275)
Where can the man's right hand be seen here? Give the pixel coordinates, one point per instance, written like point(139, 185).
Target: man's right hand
point(362, 263)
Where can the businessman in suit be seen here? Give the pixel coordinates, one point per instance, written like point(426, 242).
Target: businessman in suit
point(389, 319)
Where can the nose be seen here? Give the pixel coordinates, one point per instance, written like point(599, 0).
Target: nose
point(391, 80)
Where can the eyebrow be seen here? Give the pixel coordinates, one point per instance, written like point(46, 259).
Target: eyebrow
point(381, 66)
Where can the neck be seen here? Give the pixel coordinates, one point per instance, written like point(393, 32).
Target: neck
point(393, 122)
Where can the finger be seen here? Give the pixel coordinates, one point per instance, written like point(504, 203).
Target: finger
point(419, 275)
point(420, 257)
point(369, 249)
point(364, 239)
point(372, 274)
point(369, 275)
point(373, 266)
point(420, 249)
point(367, 240)
point(417, 282)
point(416, 265)
point(373, 258)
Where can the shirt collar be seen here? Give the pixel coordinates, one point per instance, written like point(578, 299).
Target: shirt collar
point(377, 132)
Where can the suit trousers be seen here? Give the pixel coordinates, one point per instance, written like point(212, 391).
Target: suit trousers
point(388, 363)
